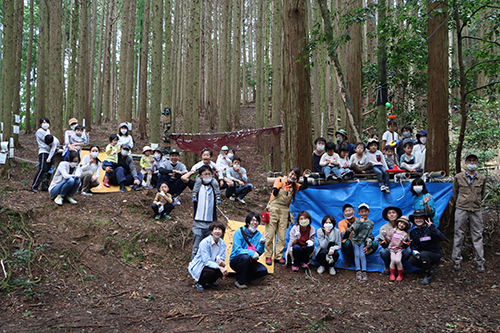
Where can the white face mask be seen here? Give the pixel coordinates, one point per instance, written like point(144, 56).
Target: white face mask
point(304, 223)
point(125, 152)
point(406, 134)
point(348, 217)
point(207, 180)
point(472, 167)
point(157, 156)
point(418, 189)
point(423, 140)
point(230, 155)
point(252, 230)
point(123, 131)
point(45, 126)
point(73, 127)
point(328, 226)
point(320, 147)
point(73, 164)
point(94, 154)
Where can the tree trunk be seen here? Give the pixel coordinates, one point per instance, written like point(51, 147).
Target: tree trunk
point(236, 68)
point(277, 91)
point(55, 69)
point(106, 77)
point(40, 100)
point(129, 100)
point(92, 63)
point(382, 64)
point(225, 75)
point(463, 101)
point(114, 75)
point(297, 91)
point(70, 94)
point(156, 73)
point(28, 68)
point(8, 71)
point(123, 114)
point(88, 61)
point(437, 110)
point(18, 48)
point(143, 72)
point(354, 70)
point(167, 67)
point(260, 86)
point(100, 84)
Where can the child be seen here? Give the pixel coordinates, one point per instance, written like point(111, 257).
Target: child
point(345, 172)
point(147, 162)
point(406, 132)
point(396, 238)
point(379, 166)
point(111, 159)
point(206, 159)
point(162, 204)
point(390, 134)
point(320, 144)
point(390, 158)
point(359, 162)
point(223, 160)
point(362, 230)
point(408, 159)
point(330, 161)
point(199, 181)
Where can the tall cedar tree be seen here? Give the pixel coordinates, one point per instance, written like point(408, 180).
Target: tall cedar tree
point(28, 67)
point(157, 57)
point(143, 70)
point(277, 93)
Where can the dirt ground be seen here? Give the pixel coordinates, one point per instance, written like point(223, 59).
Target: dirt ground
point(105, 265)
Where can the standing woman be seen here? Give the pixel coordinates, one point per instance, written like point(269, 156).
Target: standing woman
point(66, 180)
point(423, 200)
point(124, 136)
point(284, 190)
point(91, 170)
point(44, 162)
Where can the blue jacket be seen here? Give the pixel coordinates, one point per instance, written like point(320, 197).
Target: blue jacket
point(418, 203)
point(240, 245)
point(426, 239)
point(204, 257)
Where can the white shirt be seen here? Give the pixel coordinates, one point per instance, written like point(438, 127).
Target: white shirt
point(388, 137)
point(419, 153)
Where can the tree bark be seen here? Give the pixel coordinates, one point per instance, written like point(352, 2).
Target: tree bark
point(143, 71)
point(100, 83)
point(28, 68)
point(156, 75)
point(355, 68)
point(167, 67)
point(40, 100)
point(382, 64)
point(106, 75)
point(92, 64)
point(225, 75)
point(55, 69)
point(236, 68)
point(70, 94)
point(124, 114)
point(277, 91)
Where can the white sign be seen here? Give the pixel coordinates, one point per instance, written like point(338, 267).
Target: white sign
point(15, 129)
point(11, 153)
point(4, 146)
point(3, 158)
point(17, 119)
point(154, 146)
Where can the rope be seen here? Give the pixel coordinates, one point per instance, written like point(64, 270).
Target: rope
point(22, 159)
point(220, 210)
point(401, 183)
point(309, 275)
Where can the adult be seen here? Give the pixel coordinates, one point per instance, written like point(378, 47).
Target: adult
point(68, 134)
point(425, 239)
point(125, 173)
point(420, 149)
point(319, 150)
point(206, 159)
point(238, 175)
point(124, 136)
point(66, 180)
point(468, 192)
point(91, 170)
point(224, 160)
point(391, 214)
point(282, 195)
point(209, 263)
point(44, 162)
point(329, 245)
point(347, 247)
point(301, 243)
point(248, 246)
point(422, 199)
point(343, 140)
point(170, 172)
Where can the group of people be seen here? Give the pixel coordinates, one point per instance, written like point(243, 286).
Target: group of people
point(344, 160)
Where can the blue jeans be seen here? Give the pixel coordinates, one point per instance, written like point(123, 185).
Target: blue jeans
point(246, 269)
point(382, 176)
point(359, 257)
point(238, 190)
point(327, 170)
point(65, 188)
point(385, 254)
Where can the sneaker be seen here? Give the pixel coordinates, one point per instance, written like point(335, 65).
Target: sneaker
point(295, 268)
point(71, 200)
point(269, 262)
point(282, 261)
point(217, 200)
point(321, 269)
point(157, 217)
point(457, 267)
point(34, 190)
point(136, 187)
point(177, 201)
point(304, 265)
point(123, 189)
point(387, 190)
point(241, 200)
point(199, 287)
point(240, 286)
point(359, 276)
point(167, 217)
point(59, 200)
point(332, 271)
point(105, 182)
point(232, 198)
point(86, 193)
point(382, 188)
point(480, 268)
point(329, 259)
point(364, 276)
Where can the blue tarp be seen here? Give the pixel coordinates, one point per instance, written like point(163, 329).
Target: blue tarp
point(319, 201)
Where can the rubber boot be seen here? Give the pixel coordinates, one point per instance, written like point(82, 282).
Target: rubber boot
point(392, 277)
point(400, 275)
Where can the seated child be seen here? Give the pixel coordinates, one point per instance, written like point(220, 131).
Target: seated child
point(147, 163)
point(345, 172)
point(359, 162)
point(390, 158)
point(77, 141)
point(320, 144)
point(162, 204)
point(390, 134)
point(397, 237)
point(362, 230)
point(406, 133)
point(330, 161)
point(379, 166)
point(111, 159)
point(407, 161)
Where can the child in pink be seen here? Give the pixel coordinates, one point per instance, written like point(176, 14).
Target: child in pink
point(397, 238)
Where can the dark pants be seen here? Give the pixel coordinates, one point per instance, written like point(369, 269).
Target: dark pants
point(426, 261)
point(321, 257)
point(348, 251)
point(246, 269)
point(301, 254)
point(209, 275)
point(42, 176)
point(167, 209)
point(239, 191)
point(175, 186)
point(385, 254)
point(119, 176)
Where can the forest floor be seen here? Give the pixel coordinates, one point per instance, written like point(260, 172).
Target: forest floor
point(105, 265)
